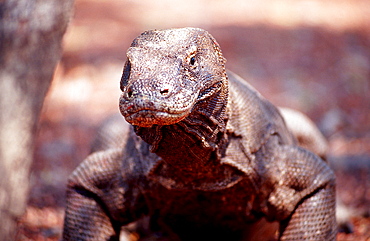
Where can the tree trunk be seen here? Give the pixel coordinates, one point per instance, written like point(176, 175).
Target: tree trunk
point(30, 46)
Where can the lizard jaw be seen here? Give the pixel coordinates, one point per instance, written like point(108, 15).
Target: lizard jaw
point(145, 112)
point(148, 118)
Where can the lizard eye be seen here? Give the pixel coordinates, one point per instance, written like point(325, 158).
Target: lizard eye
point(192, 60)
point(125, 75)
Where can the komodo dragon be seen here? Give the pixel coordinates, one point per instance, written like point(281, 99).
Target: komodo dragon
point(206, 157)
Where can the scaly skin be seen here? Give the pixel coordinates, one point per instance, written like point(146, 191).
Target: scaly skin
point(207, 156)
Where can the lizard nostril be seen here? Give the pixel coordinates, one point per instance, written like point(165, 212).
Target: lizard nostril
point(164, 91)
point(129, 92)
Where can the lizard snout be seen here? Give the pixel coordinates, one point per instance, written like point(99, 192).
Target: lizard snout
point(147, 90)
point(145, 102)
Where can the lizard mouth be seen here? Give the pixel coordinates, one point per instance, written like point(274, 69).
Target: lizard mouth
point(149, 117)
point(146, 112)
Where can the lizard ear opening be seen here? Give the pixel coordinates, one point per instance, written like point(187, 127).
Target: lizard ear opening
point(125, 75)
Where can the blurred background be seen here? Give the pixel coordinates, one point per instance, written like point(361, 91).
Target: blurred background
point(309, 55)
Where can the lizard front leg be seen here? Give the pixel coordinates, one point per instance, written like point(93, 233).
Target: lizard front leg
point(313, 219)
point(304, 195)
point(97, 197)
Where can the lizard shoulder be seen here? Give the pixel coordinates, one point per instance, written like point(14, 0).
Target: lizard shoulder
point(252, 118)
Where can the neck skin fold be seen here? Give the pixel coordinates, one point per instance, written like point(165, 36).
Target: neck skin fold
point(196, 143)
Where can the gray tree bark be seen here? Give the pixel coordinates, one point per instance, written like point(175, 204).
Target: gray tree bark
point(30, 46)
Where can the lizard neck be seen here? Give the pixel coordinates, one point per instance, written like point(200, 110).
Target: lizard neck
point(196, 143)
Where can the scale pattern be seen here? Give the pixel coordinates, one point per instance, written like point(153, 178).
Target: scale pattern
point(206, 156)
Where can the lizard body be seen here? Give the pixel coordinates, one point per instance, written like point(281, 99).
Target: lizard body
point(206, 157)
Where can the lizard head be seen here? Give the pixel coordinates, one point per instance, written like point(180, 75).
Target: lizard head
point(167, 73)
